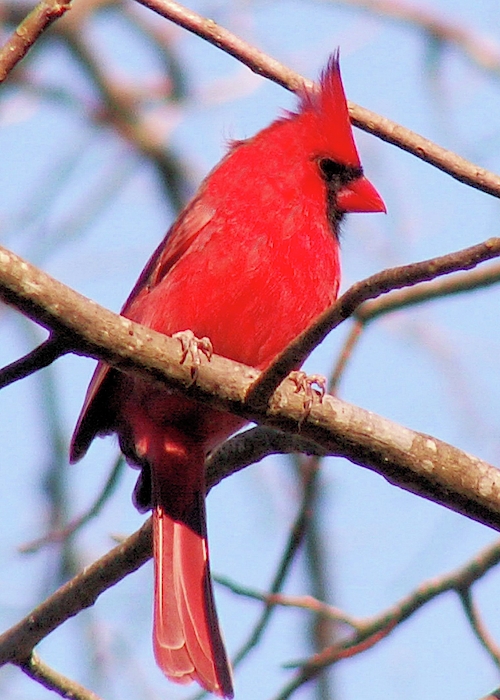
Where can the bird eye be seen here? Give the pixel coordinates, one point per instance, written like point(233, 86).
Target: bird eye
point(336, 174)
point(330, 169)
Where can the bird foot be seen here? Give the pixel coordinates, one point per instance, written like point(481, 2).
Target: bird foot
point(305, 384)
point(192, 349)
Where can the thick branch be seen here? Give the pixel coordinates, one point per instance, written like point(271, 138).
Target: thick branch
point(414, 461)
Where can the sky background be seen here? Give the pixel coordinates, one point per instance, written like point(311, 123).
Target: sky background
point(77, 200)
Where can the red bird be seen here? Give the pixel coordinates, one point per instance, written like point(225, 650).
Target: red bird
point(249, 263)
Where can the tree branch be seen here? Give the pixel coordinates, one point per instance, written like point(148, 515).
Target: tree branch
point(42, 356)
point(368, 629)
point(346, 305)
point(441, 158)
point(81, 592)
point(39, 671)
point(458, 283)
point(414, 461)
point(26, 34)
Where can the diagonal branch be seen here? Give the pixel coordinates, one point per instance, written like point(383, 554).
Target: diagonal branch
point(461, 282)
point(26, 34)
point(376, 285)
point(39, 671)
point(81, 592)
point(373, 628)
point(441, 158)
point(42, 356)
point(414, 461)
point(481, 50)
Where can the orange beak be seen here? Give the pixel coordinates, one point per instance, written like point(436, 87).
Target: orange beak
point(360, 196)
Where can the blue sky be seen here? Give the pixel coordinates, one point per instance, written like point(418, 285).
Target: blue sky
point(433, 368)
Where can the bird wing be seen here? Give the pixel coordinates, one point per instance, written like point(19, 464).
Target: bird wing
point(97, 416)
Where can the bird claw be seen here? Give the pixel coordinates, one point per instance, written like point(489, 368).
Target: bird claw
point(193, 348)
point(304, 383)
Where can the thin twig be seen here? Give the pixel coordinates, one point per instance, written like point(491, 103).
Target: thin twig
point(478, 626)
point(26, 34)
point(480, 278)
point(468, 281)
point(303, 602)
point(42, 356)
point(373, 629)
point(39, 671)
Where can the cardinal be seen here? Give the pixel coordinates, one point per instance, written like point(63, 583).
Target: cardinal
point(250, 262)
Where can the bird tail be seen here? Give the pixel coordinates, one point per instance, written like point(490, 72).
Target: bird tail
point(187, 640)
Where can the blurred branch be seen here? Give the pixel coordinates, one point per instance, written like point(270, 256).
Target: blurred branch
point(120, 105)
point(223, 39)
point(294, 543)
point(81, 592)
point(479, 627)
point(348, 303)
point(17, 643)
point(304, 602)
point(121, 110)
point(414, 461)
point(483, 51)
point(322, 630)
point(368, 629)
point(75, 525)
point(39, 671)
point(28, 31)
point(52, 466)
point(441, 158)
point(345, 354)
point(163, 45)
point(250, 447)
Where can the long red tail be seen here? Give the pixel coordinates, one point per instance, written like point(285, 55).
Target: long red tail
point(187, 641)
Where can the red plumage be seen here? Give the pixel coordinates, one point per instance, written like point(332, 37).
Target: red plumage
point(249, 263)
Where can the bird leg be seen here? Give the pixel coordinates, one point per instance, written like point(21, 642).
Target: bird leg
point(305, 383)
point(193, 348)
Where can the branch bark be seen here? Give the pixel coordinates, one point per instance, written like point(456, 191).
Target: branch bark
point(27, 33)
point(414, 461)
point(441, 158)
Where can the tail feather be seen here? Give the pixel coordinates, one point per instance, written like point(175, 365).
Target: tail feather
point(187, 640)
